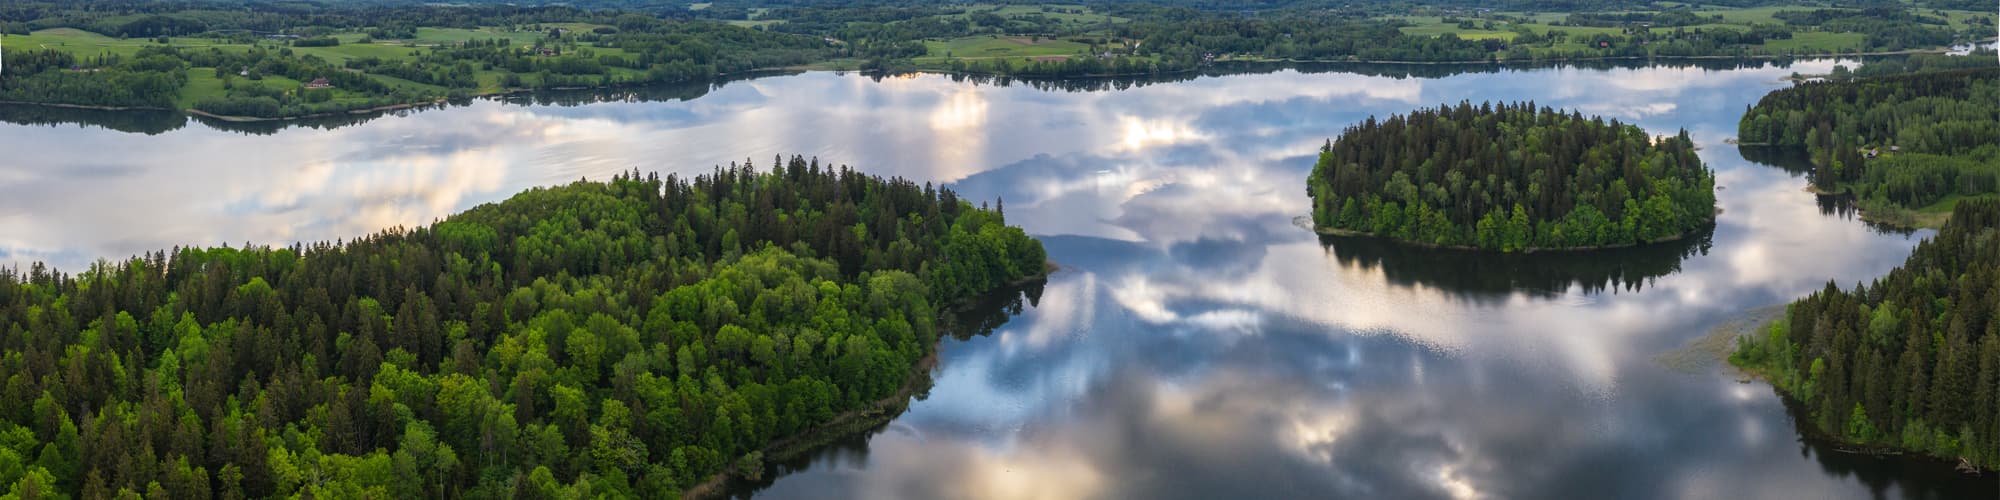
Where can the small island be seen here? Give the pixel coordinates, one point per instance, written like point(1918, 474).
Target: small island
point(1510, 178)
point(1909, 363)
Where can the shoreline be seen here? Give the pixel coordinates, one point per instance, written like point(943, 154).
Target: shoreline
point(1898, 218)
point(945, 71)
point(1331, 231)
point(1356, 60)
point(1808, 431)
point(363, 111)
point(86, 106)
point(855, 421)
point(1841, 443)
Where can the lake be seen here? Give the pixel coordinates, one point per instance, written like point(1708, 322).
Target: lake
point(1197, 343)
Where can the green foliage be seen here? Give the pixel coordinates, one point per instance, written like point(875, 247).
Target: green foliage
point(515, 52)
point(1902, 141)
point(1912, 360)
point(593, 339)
point(450, 50)
point(48, 75)
point(1510, 178)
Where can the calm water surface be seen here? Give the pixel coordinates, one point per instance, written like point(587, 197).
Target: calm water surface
point(1197, 344)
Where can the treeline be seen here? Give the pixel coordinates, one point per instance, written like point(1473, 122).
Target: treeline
point(152, 18)
point(1919, 63)
point(669, 44)
point(1160, 38)
point(150, 79)
point(1911, 361)
point(1897, 142)
point(1510, 177)
point(628, 338)
point(628, 49)
point(1885, 28)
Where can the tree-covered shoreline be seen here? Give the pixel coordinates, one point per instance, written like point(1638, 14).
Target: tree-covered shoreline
point(1909, 362)
point(1906, 145)
point(632, 338)
point(1510, 178)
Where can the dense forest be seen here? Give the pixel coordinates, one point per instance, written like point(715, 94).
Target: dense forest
point(629, 338)
point(1510, 177)
point(1901, 143)
point(1911, 361)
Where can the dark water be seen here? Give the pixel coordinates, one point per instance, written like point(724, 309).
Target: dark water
point(1197, 343)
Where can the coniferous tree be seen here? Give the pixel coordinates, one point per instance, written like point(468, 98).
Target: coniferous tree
point(1510, 177)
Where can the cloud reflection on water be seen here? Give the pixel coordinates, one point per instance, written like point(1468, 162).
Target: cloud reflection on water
point(1199, 345)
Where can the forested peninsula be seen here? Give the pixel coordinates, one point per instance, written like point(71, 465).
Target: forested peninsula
point(1907, 146)
point(1511, 178)
point(630, 338)
point(1911, 362)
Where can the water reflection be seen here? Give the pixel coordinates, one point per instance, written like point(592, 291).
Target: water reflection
point(1197, 344)
point(979, 318)
point(1799, 163)
point(136, 122)
point(158, 122)
point(1490, 275)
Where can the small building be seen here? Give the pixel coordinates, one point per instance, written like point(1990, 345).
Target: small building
point(319, 83)
point(547, 52)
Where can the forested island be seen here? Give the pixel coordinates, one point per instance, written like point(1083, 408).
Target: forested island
point(1510, 178)
point(1911, 362)
point(630, 338)
point(1907, 145)
point(256, 59)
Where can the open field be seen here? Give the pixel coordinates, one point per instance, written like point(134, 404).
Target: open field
point(340, 54)
point(1736, 19)
point(86, 44)
point(754, 23)
point(1818, 42)
point(988, 47)
point(1755, 15)
point(1435, 26)
point(1088, 16)
point(447, 36)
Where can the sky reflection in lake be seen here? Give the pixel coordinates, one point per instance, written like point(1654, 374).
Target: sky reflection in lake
point(1198, 343)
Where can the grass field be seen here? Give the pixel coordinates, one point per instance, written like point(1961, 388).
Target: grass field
point(1090, 16)
point(988, 47)
point(339, 54)
point(86, 44)
point(1756, 15)
point(444, 36)
point(201, 84)
point(1818, 42)
point(1441, 28)
point(1737, 19)
point(754, 22)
